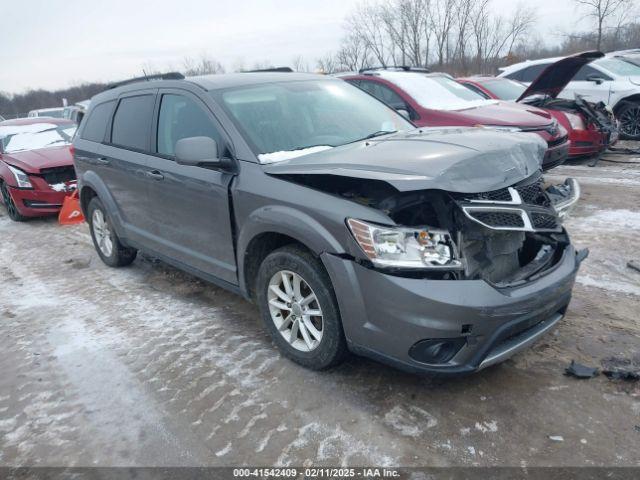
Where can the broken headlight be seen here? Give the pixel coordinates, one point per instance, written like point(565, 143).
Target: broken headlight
point(576, 121)
point(564, 197)
point(22, 179)
point(400, 247)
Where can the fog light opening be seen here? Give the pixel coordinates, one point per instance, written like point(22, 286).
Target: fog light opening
point(436, 350)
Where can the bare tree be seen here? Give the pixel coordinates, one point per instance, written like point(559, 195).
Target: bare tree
point(602, 11)
point(327, 64)
point(353, 54)
point(202, 66)
point(442, 22)
point(366, 21)
point(299, 64)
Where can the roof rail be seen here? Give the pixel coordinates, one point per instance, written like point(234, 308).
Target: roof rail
point(146, 78)
point(271, 69)
point(405, 68)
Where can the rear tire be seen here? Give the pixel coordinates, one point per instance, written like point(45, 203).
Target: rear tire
point(10, 205)
point(105, 240)
point(629, 117)
point(300, 311)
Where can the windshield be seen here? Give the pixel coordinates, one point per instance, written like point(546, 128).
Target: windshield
point(504, 88)
point(306, 116)
point(618, 67)
point(17, 138)
point(436, 92)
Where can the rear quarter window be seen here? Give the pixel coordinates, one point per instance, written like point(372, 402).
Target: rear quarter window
point(132, 122)
point(95, 127)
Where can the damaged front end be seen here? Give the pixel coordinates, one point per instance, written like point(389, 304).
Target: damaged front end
point(596, 117)
point(505, 236)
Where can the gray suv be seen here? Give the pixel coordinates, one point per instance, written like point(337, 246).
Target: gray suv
point(436, 250)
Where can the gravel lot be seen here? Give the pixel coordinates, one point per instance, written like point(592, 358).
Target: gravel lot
point(148, 366)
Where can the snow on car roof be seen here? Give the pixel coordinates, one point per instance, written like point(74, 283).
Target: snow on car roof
point(6, 130)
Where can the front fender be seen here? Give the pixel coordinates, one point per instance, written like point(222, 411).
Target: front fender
point(286, 221)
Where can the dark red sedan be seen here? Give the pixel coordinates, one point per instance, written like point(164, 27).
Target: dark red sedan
point(36, 165)
point(436, 99)
point(591, 127)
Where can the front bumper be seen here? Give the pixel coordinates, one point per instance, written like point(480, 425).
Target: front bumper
point(556, 155)
point(585, 143)
point(384, 315)
point(37, 202)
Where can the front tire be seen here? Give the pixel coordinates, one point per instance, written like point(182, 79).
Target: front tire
point(105, 240)
point(629, 117)
point(10, 205)
point(299, 308)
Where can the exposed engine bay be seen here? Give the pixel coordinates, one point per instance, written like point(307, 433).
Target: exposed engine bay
point(595, 114)
point(505, 236)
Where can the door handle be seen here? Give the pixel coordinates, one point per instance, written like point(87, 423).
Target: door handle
point(103, 161)
point(155, 175)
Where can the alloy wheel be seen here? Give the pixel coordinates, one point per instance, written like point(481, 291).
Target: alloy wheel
point(630, 121)
point(295, 310)
point(102, 233)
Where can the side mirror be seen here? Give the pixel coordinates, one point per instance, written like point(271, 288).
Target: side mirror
point(404, 113)
point(595, 78)
point(199, 151)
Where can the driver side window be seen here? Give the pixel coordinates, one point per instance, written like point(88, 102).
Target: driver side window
point(181, 117)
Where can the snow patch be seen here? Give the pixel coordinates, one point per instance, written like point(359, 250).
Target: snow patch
point(409, 421)
point(224, 451)
point(275, 157)
point(607, 219)
point(609, 284)
point(485, 427)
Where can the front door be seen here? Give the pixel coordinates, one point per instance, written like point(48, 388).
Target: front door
point(190, 205)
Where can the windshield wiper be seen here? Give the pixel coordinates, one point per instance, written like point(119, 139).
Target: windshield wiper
point(379, 133)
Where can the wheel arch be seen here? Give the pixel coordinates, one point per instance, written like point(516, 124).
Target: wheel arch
point(635, 98)
point(271, 228)
point(92, 186)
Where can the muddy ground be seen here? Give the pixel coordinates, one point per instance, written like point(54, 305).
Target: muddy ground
point(148, 366)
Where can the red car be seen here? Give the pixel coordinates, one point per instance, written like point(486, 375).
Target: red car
point(436, 99)
point(36, 165)
point(592, 128)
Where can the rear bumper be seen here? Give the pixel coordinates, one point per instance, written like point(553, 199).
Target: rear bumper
point(384, 316)
point(35, 202)
point(556, 155)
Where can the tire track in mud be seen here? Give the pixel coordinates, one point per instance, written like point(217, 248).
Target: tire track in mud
point(184, 358)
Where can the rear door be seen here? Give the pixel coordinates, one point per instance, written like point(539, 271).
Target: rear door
point(125, 159)
point(190, 205)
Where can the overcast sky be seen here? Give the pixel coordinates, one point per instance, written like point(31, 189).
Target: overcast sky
point(59, 43)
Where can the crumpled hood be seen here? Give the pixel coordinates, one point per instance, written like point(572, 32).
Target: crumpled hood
point(556, 76)
point(31, 161)
point(464, 160)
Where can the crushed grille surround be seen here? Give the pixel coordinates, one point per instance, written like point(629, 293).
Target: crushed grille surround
point(525, 208)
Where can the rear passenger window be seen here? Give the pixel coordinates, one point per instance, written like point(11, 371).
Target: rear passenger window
point(132, 122)
point(529, 74)
point(96, 124)
point(181, 117)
